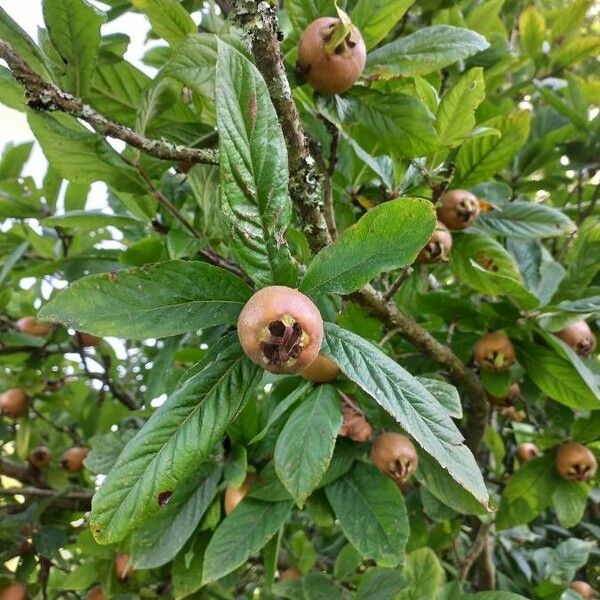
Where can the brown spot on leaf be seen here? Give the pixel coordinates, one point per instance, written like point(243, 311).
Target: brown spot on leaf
point(164, 497)
point(252, 109)
point(112, 276)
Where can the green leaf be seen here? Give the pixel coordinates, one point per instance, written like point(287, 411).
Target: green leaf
point(576, 50)
point(456, 112)
point(12, 259)
point(445, 393)
point(254, 170)
point(424, 575)
point(168, 18)
point(90, 220)
point(74, 29)
point(13, 159)
point(493, 596)
point(174, 442)
point(241, 535)
point(305, 445)
point(12, 94)
point(11, 32)
point(385, 238)
point(532, 31)
point(376, 18)
point(313, 586)
point(526, 220)
point(157, 300)
point(557, 377)
point(411, 405)
point(570, 500)
point(380, 584)
point(481, 157)
point(389, 117)
point(187, 566)
point(372, 514)
point(159, 540)
point(81, 156)
point(425, 51)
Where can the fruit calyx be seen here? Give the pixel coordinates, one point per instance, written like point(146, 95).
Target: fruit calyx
point(575, 462)
point(282, 341)
point(340, 38)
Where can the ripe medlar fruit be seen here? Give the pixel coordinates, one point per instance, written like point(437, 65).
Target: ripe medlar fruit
point(290, 574)
point(123, 569)
point(96, 593)
point(72, 459)
point(526, 452)
point(233, 495)
point(13, 591)
point(458, 209)
point(395, 456)
point(494, 352)
point(331, 70)
point(514, 391)
point(14, 403)
point(511, 413)
point(575, 462)
point(437, 248)
point(280, 329)
point(355, 426)
point(321, 370)
point(579, 336)
point(31, 326)
point(86, 340)
point(584, 589)
point(40, 457)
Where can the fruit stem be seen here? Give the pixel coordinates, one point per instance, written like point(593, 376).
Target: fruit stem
point(339, 34)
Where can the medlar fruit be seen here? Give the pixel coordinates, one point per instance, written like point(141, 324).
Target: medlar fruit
point(31, 326)
point(584, 589)
point(123, 569)
point(233, 495)
point(437, 248)
point(86, 340)
point(280, 329)
point(514, 391)
point(96, 593)
point(511, 413)
point(290, 574)
point(72, 459)
point(579, 336)
point(40, 457)
point(458, 209)
point(494, 352)
point(395, 456)
point(355, 426)
point(331, 70)
point(13, 591)
point(575, 462)
point(14, 403)
point(526, 452)
point(321, 370)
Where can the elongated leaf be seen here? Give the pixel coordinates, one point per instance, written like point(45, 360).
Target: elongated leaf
point(372, 514)
point(242, 534)
point(158, 540)
point(424, 575)
point(12, 94)
point(253, 165)
point(305, 445)
point(168, 18)
point(174, 442)
point(532, 31)
point(376, 18)
point(386, 238)
point(526, 220)
point(411, 405)
point(445, 393)
point(426, 50)
point(151, 301)
point(90, 220)
point(456, 112)
point(74, 29)
point(569, 501)
point(481, 157)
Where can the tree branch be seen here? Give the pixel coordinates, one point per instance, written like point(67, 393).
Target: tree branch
point(43, 95)
point(479, 544)
point(21, 471)
point(71, 500)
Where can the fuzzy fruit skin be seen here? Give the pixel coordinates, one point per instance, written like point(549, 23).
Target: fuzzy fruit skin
point(290, 574)
point(330, 73)
point(233, 496)
point(86, 340)
point(526, 452)
point(494, 352)
point(72, 459)
point(123, 569)
point(14, 403)
point(580, 337)
point(321, 370)
point(514, 391)
point(395, 456)
point(40, 457)
point(96, 593)
point(437, 248)
point(14, 591)
point(584, 589)
point(458, 209)
point(31, 326)
point(271, 306)
point(575, 462)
